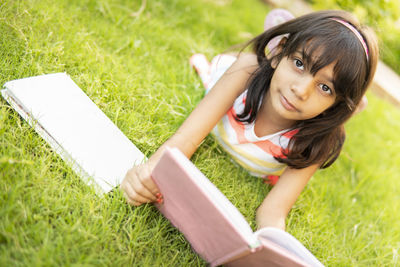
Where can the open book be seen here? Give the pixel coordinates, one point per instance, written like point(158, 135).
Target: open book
point(84, 137)
point(212, 224)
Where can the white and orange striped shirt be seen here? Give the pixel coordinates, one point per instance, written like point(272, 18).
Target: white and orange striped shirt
point(255, 154)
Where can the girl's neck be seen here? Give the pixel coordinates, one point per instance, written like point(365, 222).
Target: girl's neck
point(268, 121)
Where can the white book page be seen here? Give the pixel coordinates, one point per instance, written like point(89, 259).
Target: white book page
point(45, 135)
point(81, 129)
point(288, 242)
point(221, 202)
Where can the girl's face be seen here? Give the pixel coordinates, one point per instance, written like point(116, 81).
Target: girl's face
point(296, 94)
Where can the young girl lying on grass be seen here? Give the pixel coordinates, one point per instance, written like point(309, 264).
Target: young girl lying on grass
point(279, 112)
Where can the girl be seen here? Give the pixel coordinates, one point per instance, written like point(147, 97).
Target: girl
point(279, 112)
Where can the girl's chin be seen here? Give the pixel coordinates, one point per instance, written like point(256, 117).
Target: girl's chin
point(285, 115)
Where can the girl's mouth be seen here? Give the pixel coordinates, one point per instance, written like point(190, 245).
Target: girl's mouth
point(286, 104)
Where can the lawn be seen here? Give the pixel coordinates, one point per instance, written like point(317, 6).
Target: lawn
point(133, 63)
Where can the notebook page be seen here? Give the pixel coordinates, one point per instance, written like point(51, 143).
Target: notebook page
point(81, 129)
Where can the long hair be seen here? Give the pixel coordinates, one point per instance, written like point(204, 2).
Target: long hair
point(323, 41)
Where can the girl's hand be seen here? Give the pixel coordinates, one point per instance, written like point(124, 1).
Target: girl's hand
point(138, 186)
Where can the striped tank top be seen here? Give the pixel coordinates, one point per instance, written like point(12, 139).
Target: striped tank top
point(255, 154)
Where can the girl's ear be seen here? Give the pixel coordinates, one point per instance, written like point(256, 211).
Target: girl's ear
point(276, 51)
point(274, 63)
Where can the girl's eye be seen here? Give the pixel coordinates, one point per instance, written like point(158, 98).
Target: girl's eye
point(325, 88)
point(299, 64)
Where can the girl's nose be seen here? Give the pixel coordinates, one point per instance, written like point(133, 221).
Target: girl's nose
point(302, 88)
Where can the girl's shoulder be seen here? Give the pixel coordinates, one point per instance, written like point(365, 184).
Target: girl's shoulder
point(247, 60)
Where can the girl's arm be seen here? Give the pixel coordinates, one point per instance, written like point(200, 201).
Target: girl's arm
point(138, 186)
point(276, 206)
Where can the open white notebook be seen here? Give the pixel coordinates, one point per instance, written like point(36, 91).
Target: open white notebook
point(84, 137)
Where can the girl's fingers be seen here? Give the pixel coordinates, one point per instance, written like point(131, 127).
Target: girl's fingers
point(141, 190)
point(132, 197)
point(133, 202)
point(139, 187)
point(147, 181)
point(134, 180)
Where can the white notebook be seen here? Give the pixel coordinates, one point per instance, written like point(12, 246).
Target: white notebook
point(84, 137)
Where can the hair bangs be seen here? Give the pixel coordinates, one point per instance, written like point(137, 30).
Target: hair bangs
point(321, 46)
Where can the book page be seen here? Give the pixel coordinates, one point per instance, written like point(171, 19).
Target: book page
point(78, 126)
point(45, 135)
point(290, 243)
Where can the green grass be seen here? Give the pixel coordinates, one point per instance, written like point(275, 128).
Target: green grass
point(135, 68)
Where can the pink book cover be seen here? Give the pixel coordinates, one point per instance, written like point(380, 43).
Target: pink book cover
point(217, 231)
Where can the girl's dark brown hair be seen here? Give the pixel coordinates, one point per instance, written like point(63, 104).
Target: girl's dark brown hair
point(322, 41)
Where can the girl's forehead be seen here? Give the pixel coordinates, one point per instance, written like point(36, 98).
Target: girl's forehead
point(316, 53)
point(308, 53)
point(312, 50)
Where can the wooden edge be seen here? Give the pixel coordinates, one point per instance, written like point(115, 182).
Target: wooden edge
point(386, 84)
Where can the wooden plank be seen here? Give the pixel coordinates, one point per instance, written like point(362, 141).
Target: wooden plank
point(386, 84)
